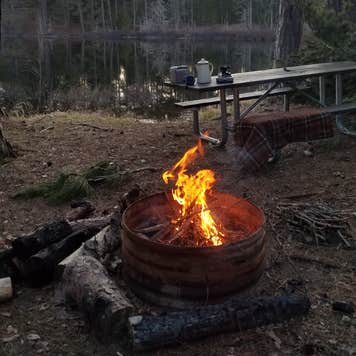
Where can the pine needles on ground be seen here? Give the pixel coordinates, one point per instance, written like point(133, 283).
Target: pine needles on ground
point(76, 186)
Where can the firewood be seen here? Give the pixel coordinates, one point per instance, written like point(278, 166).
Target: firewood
point(156, 331)
point(94, 223)
point(99, 246)
point(87, 285)
point(6, 291)
point(39, 269)
point(27, 245)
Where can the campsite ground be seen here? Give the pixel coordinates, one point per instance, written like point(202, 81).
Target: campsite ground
point(48, 144)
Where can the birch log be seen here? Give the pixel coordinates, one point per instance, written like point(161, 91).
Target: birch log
point(87, 285)
point(6, 291)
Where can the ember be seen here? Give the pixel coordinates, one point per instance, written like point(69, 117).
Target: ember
point(195, 218)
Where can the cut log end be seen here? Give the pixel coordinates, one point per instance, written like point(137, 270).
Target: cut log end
point(6, 290)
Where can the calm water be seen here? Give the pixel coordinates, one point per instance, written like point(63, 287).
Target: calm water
point(127, 75)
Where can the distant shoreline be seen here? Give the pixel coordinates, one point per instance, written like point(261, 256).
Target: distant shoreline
point(256, 34)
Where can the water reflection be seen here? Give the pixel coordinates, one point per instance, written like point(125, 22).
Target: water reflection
point(128, 75)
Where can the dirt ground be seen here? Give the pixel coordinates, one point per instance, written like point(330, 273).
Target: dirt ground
point(48, 144)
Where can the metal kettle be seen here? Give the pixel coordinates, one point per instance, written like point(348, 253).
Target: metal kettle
point(204, 70)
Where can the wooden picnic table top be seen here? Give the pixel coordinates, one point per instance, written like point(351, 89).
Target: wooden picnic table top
point(274, 75)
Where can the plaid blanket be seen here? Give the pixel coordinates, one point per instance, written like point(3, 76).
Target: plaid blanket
point(261, 135)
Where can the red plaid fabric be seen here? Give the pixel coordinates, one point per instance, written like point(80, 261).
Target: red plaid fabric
point(261, 135)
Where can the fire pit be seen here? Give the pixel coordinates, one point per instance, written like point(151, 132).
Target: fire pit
point(192, 244)
point(177, 276)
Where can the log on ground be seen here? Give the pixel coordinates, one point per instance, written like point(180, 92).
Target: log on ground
point(151, 332)
point(101, 246)
point(87, 285)
point(27, 245)
point(39, 269)
point(6, 291)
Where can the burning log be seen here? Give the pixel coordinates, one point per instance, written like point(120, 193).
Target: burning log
point(87, 285)
point(6, 291)
point(39, 269)
point(151, 332)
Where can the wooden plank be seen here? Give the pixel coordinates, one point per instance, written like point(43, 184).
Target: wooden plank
point(230, 98)
point(275, 75)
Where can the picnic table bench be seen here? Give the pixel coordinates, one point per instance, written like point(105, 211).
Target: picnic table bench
point(281, 82)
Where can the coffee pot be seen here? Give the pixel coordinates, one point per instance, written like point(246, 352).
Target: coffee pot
point(204, 70)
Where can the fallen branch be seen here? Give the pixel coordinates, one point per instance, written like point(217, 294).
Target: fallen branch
point(93, 126)
point(317, 224)
point(152, 332)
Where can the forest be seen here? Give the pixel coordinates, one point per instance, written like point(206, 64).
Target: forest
point(177, 177)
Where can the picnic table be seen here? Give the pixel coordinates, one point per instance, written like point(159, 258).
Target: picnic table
point(280, 81)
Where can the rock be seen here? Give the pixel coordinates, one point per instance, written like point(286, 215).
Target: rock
point(346, 319)
point(344, 307)
point(33, 337)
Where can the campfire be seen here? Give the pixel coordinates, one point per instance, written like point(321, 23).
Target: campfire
point(192, 243)
point(195, 223)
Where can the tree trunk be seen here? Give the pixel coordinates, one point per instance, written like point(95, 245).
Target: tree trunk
point(290, 29)
point(6, 150)
point(103, 15)
point(81, 16)
point(87, 285)
point(151, 332)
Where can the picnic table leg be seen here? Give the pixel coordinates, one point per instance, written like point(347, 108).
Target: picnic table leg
point(322, 91)
point(338, 101)
point(224, 123)
point(237, 112)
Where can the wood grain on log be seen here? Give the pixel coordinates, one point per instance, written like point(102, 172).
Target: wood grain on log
point(150, 332)
point(6, 291)
point(87, 285)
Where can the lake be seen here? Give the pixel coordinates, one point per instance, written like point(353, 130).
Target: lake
point(47, 75)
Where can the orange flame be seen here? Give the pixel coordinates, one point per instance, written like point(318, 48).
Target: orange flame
point(190, 193)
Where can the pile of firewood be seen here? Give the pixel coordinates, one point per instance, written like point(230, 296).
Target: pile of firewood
point(317, 224)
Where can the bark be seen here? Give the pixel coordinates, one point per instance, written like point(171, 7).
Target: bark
point(290, 29)
point(6, 291)
point(151, 332)
point(101, 246)
point(27, 245)
point(87, 285)
point(39, 269)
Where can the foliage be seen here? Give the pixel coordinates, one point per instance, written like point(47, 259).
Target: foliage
point(72, 186)
point(333, 32)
